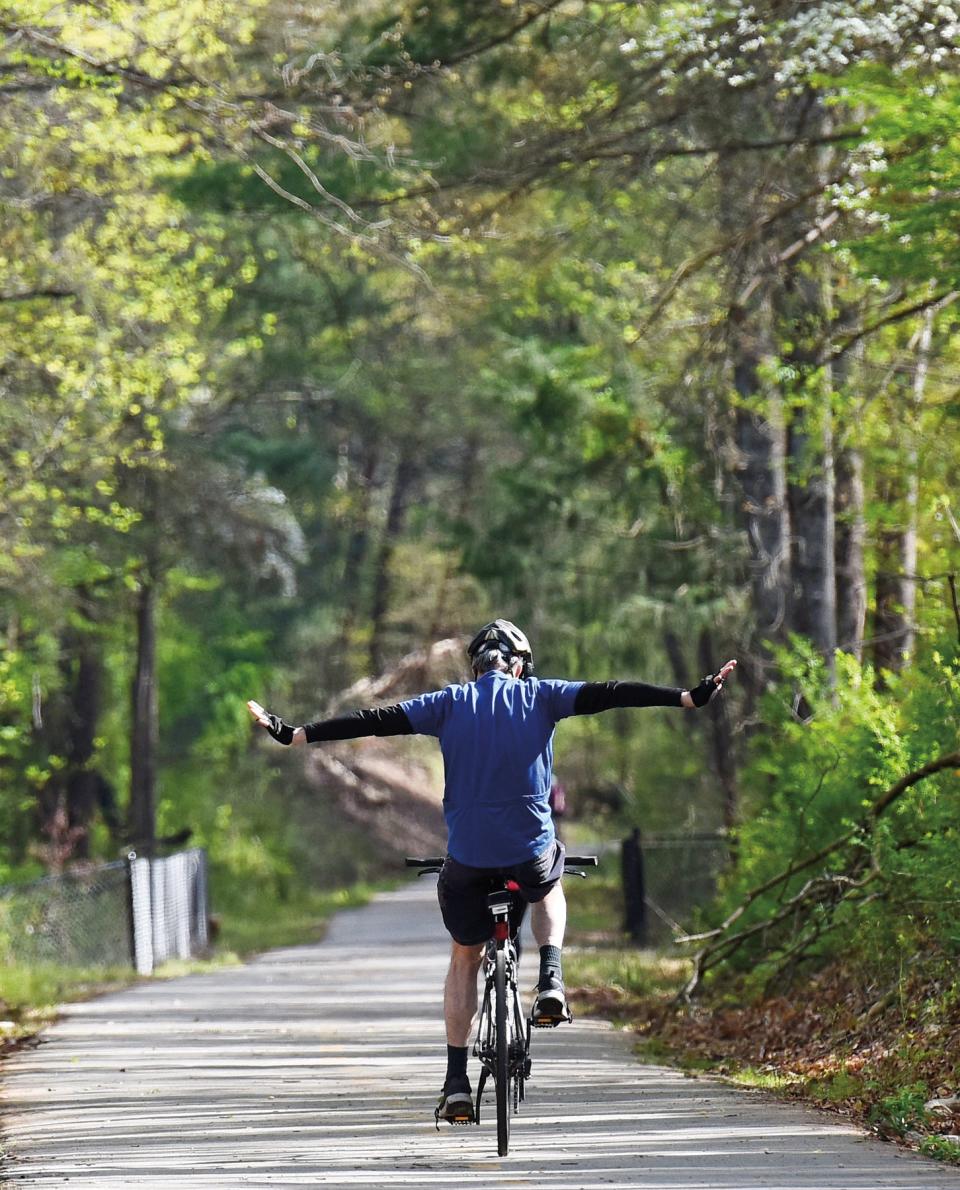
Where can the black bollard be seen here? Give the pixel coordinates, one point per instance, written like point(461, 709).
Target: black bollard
point(634, 900)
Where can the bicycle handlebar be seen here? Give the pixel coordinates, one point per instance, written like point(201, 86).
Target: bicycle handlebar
point(436, 861)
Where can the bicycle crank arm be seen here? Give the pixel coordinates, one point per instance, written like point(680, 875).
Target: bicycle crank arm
point(480, 1086)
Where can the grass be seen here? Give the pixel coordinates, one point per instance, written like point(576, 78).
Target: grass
point(611, 975)
point(256, 924)
point(30, 993)
point(625, 971)
point(941, 1148)
point(595, 905)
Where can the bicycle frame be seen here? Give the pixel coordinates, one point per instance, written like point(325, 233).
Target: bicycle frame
point(503, 1031)
point(504, 1058)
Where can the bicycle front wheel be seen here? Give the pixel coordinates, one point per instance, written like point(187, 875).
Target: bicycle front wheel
point(503, 1022)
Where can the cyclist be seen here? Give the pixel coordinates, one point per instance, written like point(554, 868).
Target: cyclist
point(496, 736)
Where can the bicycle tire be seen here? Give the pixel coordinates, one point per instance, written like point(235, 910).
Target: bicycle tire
point(503, 1024)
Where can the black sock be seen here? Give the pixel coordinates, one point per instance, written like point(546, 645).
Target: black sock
point(550, 961)
point(456, 1061)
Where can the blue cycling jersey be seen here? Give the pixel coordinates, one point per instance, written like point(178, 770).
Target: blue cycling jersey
point(496, 736)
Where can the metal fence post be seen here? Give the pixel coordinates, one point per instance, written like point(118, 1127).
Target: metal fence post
point(201, 902)
point(179, 900)
point(141, 901)
point(158, 890)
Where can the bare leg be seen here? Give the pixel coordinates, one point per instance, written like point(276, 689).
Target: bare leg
point(548, 918)
point(460, 992)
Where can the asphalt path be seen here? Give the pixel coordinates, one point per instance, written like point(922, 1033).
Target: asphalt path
point(321, 1065)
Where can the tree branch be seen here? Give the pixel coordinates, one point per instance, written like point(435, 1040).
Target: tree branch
point(724, 148)
point(738, 239)
point(941, 299)
point(720, 947)
point(29, 295)
point(483, 47)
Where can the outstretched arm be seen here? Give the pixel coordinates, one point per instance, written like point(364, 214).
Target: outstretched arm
point(380, 721)
point(594, 697)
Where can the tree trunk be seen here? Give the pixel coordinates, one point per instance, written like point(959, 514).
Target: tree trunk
point(396, 514)
point(810, 468)
point(440, 624)
point(848, 508)
point(896, 586)
point(358, 540)
point(69, 801)
point(678, 663)
point(804, 321)
point(811, 496)
point(722, 760)
point(909, 550)
point(83, 784)
point(758, 432)
point(144, 725)
point(758, 444)
point(850, 539)
point(760, 469)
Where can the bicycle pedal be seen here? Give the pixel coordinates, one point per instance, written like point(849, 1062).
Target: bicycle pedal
point(551, 1022)
point(466, 1117)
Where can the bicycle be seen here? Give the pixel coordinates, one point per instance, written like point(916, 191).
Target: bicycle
point(503, 1032)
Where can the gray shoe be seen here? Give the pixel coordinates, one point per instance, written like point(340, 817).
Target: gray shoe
point(456, 1102)
point(550, 1006)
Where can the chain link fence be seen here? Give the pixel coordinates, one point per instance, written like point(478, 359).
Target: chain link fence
point(137, 912)
point(667, 878)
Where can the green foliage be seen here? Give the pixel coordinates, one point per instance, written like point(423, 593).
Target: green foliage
point(941, 1148)
point(261, 923)
point(907, 201)
point(903, 1112)
point(465, 345)
point(31, 993)
point(815, 779)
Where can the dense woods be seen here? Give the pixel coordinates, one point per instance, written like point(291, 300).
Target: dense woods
point(328, 332)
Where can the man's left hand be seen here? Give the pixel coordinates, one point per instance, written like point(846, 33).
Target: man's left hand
point(709, 688)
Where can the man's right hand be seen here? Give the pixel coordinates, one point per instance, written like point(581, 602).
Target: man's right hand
point(272, 724)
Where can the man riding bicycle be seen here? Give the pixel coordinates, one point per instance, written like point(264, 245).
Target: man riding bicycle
point(496, 736)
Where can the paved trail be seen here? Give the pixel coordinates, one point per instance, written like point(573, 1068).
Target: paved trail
point(320, 1066)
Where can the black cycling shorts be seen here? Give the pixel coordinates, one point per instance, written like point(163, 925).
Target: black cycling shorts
point(462, 892)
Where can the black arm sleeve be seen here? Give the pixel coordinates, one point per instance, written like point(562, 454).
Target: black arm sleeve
point(382, 721)
point(604, 696)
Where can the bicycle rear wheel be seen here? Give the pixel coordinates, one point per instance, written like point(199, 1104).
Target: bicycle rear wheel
point(503, 1024)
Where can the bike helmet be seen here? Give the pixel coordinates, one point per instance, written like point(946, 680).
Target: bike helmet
point(506, 637)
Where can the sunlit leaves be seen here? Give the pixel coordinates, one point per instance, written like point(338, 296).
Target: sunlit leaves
point(908, 201)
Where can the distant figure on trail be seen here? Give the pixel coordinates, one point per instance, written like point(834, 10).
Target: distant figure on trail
point(496, 736)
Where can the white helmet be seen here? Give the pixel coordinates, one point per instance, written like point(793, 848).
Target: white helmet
point(507, 637)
